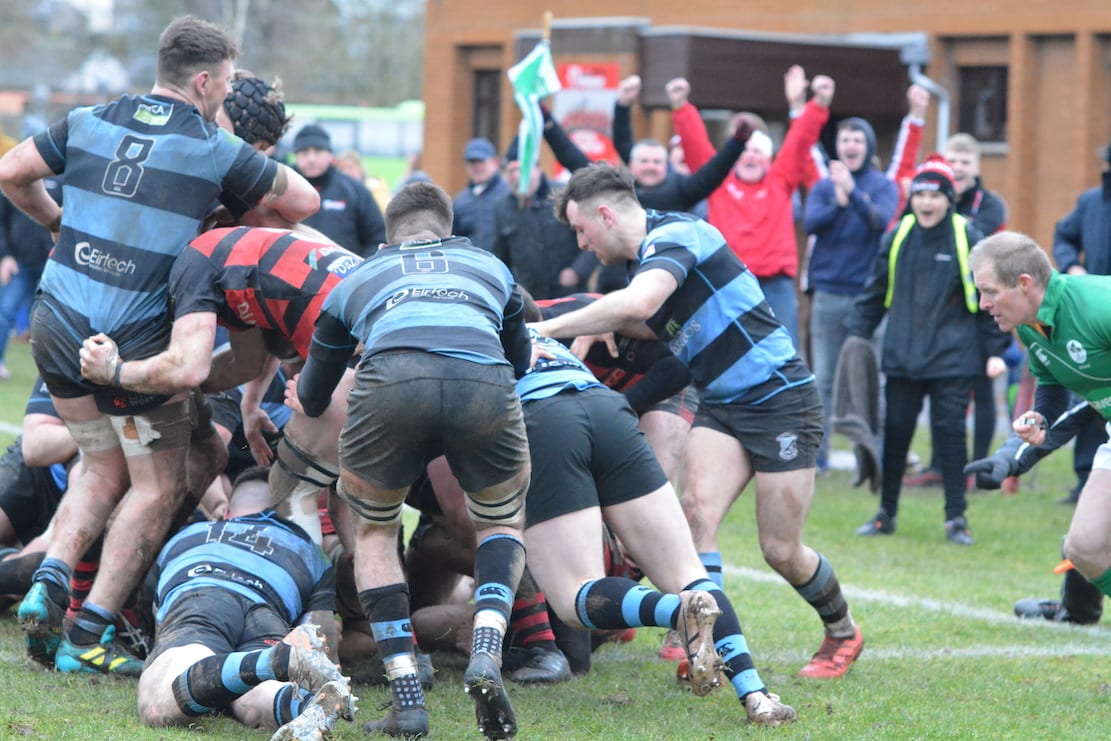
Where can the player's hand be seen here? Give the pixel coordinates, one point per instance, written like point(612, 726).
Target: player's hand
point(291, 399)
point(991, 471)
point(538, 352)
point(256, 426)
point(99, 356)
point(568, 278)
point(581, 346)
point(1031, 427)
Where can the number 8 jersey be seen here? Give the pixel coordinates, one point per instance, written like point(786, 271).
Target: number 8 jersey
point(139, 175)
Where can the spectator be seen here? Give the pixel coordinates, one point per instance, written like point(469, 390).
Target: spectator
point(753, 208)
point(920, 282)
point(540, 250)
point(474, 205)
point(847, 213)
point(987, 212)
point(350, 163)
point(348, 214)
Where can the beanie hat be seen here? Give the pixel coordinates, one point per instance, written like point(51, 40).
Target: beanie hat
point(312, 136)
point(934, 174)
point(256, 111)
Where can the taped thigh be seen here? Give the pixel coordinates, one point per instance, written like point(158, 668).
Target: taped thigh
point(95, 435)
point(506, 511)
point(373, 512)
point(167, 427)
point(295, 483)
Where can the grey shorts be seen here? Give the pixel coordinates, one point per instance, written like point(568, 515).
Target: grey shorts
point(408, 408)
point(780, 434)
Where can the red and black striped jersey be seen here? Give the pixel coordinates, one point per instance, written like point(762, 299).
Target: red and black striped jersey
point(273, 279)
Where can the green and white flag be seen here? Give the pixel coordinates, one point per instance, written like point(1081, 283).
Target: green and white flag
point(533, 78)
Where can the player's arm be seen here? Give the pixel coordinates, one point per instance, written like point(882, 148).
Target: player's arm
point(242, 359)
point(46, 440)
point(291, 195)
point(623, 311)
point(181, 366)
point(331, 349)
point(21, 179)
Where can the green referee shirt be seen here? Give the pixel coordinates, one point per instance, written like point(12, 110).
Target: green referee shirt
point(1071, 346)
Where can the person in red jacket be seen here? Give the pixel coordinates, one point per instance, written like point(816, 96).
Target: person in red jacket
point(753, 208)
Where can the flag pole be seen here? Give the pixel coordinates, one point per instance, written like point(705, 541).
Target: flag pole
point(546, 34)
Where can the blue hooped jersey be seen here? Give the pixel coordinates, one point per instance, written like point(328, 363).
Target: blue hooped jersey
point(449, 298)
point(262, 557)
point(717, 321)
point(552, 375)
point(140, 174)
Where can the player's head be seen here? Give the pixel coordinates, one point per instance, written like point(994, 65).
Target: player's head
point(256, 110)
point(419, 209)
point(195, 57)
point(599, 202)
point(1011, 272)
point(250, 492)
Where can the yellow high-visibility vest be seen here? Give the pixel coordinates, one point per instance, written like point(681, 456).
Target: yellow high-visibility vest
point(961, 238)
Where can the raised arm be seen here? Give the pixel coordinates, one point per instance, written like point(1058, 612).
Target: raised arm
point(565, 150)
point(628, 90)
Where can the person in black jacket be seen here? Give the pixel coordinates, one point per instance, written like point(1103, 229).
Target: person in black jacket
point(921, 281)
point(348, 213)
point(541, 251)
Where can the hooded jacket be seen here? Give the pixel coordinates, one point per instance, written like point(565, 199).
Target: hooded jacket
point(848, 237)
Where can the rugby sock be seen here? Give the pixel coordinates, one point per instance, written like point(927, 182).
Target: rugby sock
point(499, 562)
point(730, 643)
point(81, 582)
point(54, 574)
point(289, 702)
point(614, 603)
point(387, 609)
point(823, 592)
point(574, 643)
point(1103, 582)
point(711, 560)
point(215, 681)
point(89, 624)
point(529, 622)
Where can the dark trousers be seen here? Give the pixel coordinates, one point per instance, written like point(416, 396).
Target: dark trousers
point(948, 403)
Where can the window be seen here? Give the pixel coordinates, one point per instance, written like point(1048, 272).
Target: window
point(487, 103)
point(983, 102)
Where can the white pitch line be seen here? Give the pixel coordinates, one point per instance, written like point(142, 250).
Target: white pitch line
point(957, 609)
point(9, 429)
